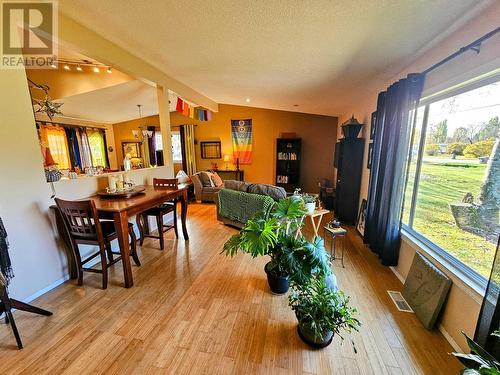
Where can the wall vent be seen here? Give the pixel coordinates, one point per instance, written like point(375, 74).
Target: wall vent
point(399, 301)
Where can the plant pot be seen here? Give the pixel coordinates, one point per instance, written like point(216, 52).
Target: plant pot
point(307, 335)
point(278, 284)
point(310, 207)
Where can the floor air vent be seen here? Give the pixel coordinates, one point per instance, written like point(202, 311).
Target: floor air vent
point(399, 301)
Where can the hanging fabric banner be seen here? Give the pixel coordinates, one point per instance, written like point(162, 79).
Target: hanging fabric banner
point(242, 140)
point(179, 106)
point(192, 112)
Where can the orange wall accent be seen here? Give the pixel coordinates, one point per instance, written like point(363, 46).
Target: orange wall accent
point(318, 135)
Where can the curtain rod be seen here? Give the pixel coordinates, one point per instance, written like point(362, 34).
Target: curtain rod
point(475, 46)
point(64, 124)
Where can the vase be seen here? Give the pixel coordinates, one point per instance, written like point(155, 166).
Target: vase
point(310, 207)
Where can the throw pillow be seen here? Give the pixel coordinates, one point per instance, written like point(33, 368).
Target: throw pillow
point(236, 185)
point(217, 180)
point(210, 175)
point(205, 179)
point(272, 191)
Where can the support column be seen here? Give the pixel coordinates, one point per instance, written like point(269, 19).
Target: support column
point(166, 134)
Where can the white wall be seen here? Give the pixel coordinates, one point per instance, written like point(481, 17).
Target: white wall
point(463, 304)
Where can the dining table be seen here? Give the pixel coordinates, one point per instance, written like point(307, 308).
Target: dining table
point(120, 209)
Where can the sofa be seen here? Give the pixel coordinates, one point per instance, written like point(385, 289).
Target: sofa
point(206, 185)
point(239, 201)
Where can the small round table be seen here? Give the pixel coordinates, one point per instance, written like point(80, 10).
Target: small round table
point(334, 233)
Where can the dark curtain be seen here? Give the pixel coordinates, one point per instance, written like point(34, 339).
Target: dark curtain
point(5, 263)
point(152, 146)
point(74, 150)
point(489, 317)
point(387, 174)
point(106, 156)
point(183, 148)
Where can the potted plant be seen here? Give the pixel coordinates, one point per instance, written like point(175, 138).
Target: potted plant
point(321, 312)
point(275, 233)
point(479, 361)
point(310, 202)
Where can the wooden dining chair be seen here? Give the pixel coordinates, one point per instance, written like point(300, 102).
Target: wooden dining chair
point(159, 212)
point(84, 228)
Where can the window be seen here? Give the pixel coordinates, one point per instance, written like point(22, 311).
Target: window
point(452, 198)
point(55, 139)
point(97, 147)
point(176, 147)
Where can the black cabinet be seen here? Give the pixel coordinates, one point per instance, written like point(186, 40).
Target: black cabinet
point(349, 164)
point(288, 163)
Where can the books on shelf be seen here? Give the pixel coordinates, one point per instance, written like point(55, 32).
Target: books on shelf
point(281, 179)
point(287, 156)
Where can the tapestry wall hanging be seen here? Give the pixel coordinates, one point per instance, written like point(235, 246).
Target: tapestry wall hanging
point(242, 141)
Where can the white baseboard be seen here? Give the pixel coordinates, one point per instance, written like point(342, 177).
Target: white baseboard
point(443, 331)
point(398, 275)
point(450, 339)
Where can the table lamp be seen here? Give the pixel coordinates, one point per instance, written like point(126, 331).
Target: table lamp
point(226, 159)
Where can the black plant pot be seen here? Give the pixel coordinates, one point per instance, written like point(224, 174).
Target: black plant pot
point(278, 284)
point(307, 335)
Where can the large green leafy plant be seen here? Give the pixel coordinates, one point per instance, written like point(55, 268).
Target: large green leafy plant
point(479, 361)
point(320, 309)
point(276, 233)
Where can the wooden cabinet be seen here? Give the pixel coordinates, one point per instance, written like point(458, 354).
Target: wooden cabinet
point(349, 164)
point(288, 155)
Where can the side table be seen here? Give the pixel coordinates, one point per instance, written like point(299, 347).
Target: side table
point(334, 233)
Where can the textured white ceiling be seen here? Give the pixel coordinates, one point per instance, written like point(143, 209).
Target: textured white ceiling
point(319, 54)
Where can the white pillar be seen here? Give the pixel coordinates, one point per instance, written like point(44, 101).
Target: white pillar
point(164, 114)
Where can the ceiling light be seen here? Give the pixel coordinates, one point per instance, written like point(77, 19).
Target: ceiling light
point(79, 68)
point(66, 67)
point(96, 69)
point(247, 100)
point(109, 70)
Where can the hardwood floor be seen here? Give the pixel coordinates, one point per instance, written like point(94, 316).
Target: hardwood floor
point(193, 310)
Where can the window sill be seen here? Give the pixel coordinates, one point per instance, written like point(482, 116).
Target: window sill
point(461, 279)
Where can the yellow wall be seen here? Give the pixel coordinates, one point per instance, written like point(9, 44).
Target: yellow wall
point(123, 132)
point(318, 135)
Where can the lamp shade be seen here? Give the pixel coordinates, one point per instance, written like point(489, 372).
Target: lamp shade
point(226, 158)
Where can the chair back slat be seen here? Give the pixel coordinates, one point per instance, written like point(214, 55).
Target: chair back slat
point(165, 183)
point(80, 218)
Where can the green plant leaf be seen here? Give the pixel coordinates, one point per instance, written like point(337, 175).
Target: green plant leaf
point(477, 349)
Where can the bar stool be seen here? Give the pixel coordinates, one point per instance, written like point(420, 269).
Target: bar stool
point(158, 213)
point(84, 228)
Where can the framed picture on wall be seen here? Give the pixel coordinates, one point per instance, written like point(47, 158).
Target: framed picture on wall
point(370, 156)
point(373, 122)
point(132, 147)
point(210, 150)
point(360, 223)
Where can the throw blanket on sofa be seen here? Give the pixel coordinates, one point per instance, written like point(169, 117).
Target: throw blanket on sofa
point(241, 206)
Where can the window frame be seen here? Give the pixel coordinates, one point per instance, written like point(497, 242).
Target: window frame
point(461, 270)
point(176, 133)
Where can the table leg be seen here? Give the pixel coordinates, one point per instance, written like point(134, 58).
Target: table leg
point(121, 226)
point(184, 204)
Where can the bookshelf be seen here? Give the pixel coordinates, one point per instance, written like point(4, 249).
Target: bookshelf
point(288, 155)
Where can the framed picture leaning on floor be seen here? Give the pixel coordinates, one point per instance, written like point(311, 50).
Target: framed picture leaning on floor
point(360, 222)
